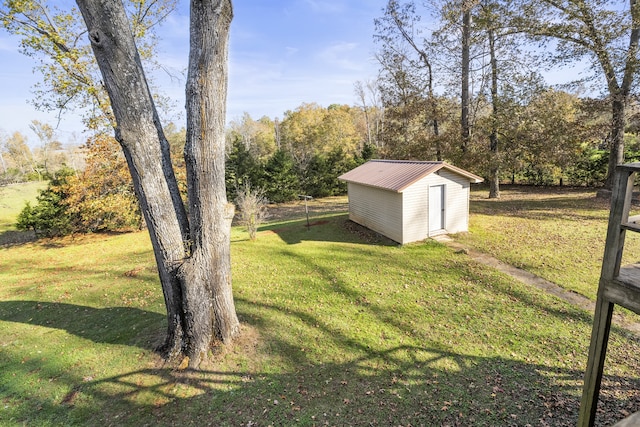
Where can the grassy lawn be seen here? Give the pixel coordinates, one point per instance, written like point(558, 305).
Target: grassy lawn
point(12, 200)
point(340, 327)
point(558, 234)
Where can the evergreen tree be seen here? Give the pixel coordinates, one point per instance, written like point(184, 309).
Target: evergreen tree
point(49, 217)
point(280, 180)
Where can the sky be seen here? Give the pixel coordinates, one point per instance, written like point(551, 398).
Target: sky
point(282, 53)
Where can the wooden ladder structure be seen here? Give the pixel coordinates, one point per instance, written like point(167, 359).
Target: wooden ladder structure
point(618, 285)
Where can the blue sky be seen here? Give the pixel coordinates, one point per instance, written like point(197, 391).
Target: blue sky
point(282, 53)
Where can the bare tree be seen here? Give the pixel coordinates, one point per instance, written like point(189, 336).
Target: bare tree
point(397, 27)
point(362, 97)
point(3, 137)
point(48, 144)
point(465, 73)
point(253, 208)
point(368, 93)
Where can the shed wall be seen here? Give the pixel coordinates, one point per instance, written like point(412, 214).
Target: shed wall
point(415, 222)
point(456, 200)
point(404, 217)
point(416, 205)
point(377, 209)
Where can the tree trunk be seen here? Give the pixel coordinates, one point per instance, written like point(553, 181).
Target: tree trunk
point(359, 89)
point(464, 96)
point(616, 147)
point(184, 267)
point(494, 161)
point(619, 93)
point(207, 274)
point(434, 111)
point(4, 166)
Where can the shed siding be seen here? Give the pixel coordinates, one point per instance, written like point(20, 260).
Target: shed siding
point(415, 224)
point(377, 209)
point(416, 205)
point(456, 201)
point(404, 216)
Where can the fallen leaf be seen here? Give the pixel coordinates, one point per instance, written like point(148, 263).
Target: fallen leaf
point(184, 364)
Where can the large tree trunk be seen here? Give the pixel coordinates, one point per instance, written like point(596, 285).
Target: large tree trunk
point(147, 151)
point(619, 93)
point(188, 263)
point(207, 274)
point(434, 112)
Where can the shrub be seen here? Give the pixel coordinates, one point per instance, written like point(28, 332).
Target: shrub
point(253, 208)
point(590, 168)
point(321, 174)
point(240, 167)
point(102, 198)
point(49, 217)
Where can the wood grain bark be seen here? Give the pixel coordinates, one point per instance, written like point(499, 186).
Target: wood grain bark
point(207, 274)
point(192, 254)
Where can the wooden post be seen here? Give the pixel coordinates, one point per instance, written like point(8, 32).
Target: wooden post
point(306, 209)
point(614, 245)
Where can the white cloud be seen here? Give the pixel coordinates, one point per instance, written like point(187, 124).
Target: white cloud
point(282, 54)
point(319, 6)
point(342, 55)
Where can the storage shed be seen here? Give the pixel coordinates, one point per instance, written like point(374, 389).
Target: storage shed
point(408, 201)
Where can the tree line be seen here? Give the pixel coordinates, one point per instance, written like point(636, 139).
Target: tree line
point(101, 197)
point(21, 161)
point(554, 139)
point(463, 81)
point(458, 81)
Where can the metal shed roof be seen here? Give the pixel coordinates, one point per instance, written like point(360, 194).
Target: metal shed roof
point(396, 175)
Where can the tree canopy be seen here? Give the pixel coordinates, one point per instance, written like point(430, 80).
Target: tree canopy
point(485, 56)
point(55, 36)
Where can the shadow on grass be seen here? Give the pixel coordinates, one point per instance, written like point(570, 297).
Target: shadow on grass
point(403, 385)
point(12, 238)
point(112, 325)
point(383, 385)
point(344, 379)
point(336, 228)
point(568, 207)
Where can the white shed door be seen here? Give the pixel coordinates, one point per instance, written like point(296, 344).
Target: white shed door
point(436, 207)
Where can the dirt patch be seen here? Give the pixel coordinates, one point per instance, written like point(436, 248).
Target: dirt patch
point(366, 234)
point(297, 210)
point(244, 346)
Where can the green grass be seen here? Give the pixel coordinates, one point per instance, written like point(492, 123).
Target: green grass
point(12, 200)
point(558, 234)
point(340, 327)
